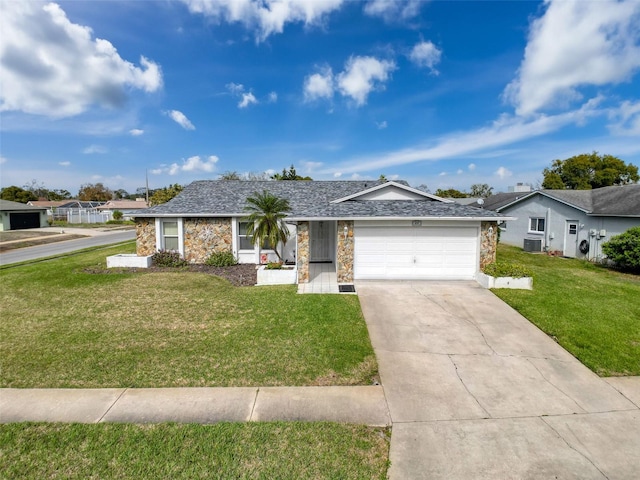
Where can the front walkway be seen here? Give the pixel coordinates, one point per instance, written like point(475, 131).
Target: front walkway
point(322, 279)
point(476, 391)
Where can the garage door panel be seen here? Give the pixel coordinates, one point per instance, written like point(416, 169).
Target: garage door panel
point(415, 253)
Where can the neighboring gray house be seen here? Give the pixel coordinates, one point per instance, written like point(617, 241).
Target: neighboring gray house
point(574, 222)
point(366, 229)
point(18, 216)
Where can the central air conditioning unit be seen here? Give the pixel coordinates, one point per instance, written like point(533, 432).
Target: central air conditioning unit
point(532, 245)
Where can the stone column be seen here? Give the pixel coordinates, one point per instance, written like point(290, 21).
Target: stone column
point(302, 258)
point(488, 243)
point(145, 236)
point(345, 251)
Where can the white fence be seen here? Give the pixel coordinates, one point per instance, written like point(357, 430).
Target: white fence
point(79, 215)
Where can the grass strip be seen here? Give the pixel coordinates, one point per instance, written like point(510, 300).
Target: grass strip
point(225, 450)
point(592, 311)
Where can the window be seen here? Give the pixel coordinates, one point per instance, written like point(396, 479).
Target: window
point(536, 225)
point(245, 242)
point(170, 236)
point(573, 229)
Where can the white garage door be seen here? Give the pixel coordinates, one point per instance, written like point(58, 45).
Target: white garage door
point(416, 252)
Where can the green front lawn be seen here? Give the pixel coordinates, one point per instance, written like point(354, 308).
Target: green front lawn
point(65, 327)
point(593, 312)
point(226, 450)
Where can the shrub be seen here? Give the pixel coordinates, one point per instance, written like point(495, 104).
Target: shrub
point(117, 215)
point(514, 270)
point(221, 259)
point(166, 258)
point(624, 249)
point(273, 266)
point(114, 222)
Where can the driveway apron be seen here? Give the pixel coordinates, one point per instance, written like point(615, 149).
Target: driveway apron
point(477, 391)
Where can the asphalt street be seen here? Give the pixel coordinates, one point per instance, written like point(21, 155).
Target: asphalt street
point(58, 248)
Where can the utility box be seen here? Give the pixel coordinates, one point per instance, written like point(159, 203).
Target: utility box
point(532, 245)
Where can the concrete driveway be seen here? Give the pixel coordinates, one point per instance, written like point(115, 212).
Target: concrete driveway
point(476, 391)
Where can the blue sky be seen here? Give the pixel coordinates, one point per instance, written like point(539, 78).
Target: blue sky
point(442, 93)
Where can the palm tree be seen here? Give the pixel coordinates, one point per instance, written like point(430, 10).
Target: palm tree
point(266, 219)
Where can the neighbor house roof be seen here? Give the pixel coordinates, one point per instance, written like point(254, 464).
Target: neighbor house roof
point(309, 200)
point(9, 206)
point(497, 200)
point(123, 205)
point(47, 203)
point(619, 200)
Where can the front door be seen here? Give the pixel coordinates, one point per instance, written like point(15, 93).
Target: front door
point(570, 238)
point(321, 234)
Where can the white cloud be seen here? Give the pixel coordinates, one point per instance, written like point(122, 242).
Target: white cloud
point(442, 174)
point(319, 85)
point(266, 17)
point(337, 174)
point(195, 163)
point(235, 88)
point(3, 160)
point(627, 119)
point(393, 10)
point(53, 67)
point(181, 119)
point(505, 130)
point(471, 167)
point(247, 99)
point(64, 164)
point(460, 171)
point(503, 173)
point(381, 125)
point(362, 75)
point(136, 132)
point(91, 149)
point(426, 55)
point(575, 44)
point(272, 97)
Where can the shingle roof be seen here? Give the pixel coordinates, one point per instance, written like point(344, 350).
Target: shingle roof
point(308, 199)
point(619, 200)
point(8, 205)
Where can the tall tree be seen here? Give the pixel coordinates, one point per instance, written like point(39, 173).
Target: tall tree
point(17, 194)
point(94, 192)
point(481, 190)
point(266, 219)
point(37, 188)
point(59, 194)
point(451, 193)
point(229, 175)
point(589, 170)
point(290, 174)
point(163, 195)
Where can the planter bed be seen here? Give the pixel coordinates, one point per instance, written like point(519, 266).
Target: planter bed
point(283, 276)
point(522, 283)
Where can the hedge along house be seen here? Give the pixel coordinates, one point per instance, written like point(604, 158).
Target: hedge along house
point(574, 222)
point(365, 229)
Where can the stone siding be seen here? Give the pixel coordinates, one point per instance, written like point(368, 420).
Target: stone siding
point(302, 258)
point(488, 243)
point(345, 251)
point(145, 236)
point(204, 236)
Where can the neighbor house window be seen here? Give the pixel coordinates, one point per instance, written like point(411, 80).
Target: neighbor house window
point(245, 241)
point(536, 225)
point(170, 236)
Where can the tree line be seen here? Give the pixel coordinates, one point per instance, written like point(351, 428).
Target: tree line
point(580, 172)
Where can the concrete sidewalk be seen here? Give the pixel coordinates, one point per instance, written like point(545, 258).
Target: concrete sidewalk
point(363, 405)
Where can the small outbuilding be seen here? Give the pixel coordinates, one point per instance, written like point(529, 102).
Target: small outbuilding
point(18, 216)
